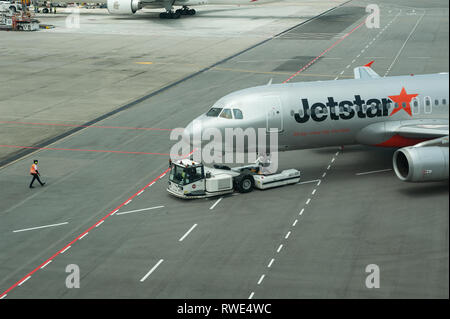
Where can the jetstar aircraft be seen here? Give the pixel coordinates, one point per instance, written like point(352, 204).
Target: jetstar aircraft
point(128, 7)
point(407, 112)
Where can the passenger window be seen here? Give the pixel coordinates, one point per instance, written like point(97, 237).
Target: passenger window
point(226, 113)
point(415, 103)
point(238, 114)
point(436, 102)
point(214, 112)
point(428, 106)
point(444, 101)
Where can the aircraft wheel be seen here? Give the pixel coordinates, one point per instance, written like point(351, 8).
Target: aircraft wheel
point(191, 12)
point(175, 15)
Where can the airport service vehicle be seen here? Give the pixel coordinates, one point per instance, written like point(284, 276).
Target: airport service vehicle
point(129, 7)
point(189, 179)
point(8, 5)
point(409, 113)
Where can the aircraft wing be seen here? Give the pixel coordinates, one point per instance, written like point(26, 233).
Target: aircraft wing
point(423, 130)
point(397, 132)
point(365, 72)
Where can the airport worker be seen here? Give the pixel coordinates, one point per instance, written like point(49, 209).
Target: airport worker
point(35, 173)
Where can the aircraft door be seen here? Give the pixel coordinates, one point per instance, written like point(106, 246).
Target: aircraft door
point(274, 114)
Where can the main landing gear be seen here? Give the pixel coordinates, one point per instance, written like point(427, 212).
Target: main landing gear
point(177, 14)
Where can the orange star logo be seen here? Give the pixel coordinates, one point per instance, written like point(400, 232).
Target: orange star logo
point(403, 101)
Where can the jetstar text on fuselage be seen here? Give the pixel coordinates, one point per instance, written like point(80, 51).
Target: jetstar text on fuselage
point(343, 110)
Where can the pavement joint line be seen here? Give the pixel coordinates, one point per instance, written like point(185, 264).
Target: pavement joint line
point(270, 263)
point(139, 210)
point(294, 223)
point(261, 279)
point(152, 270)
point(77, 238)
point(279, 248)
point(215, 204)
point(39, 227)
point(373, 172)
point(187, 233)
point(251, 295)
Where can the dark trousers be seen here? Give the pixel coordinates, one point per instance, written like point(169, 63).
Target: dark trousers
point(35, 176)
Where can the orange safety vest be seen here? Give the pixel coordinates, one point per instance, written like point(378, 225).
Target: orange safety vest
point(33, 169)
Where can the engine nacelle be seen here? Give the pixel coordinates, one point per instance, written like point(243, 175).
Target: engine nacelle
point(421, 164)
point(124, 6)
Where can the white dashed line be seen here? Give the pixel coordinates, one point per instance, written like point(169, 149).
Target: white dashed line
point(324, 174)
point(4, 296)
point(307, 202)
point(23, 281)
point(301, 212)
point(114, 212)
point(83, 236)
point(332, 160)
point(127, 202)
point(140, 210)
point(215, 204)
point(65, 249)
point(279, 248)
point(314, 191)
point(152, 270)
point(140, 193)
point(270, 263)
point(251, 295)
point(318, 183)
point(287, 235)
point(100, 223)
point(295, 222)
point(45, 265)
point(187, 233)
point(261, 279)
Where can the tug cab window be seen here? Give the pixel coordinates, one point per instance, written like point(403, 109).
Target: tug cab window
point(238, 114)
point(214, 112)
point(226, 113)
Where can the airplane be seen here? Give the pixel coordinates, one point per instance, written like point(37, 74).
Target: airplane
point(129, 7)
point(405, 112)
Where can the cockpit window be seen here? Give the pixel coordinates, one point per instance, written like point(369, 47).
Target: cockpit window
point(226, 113)
point(214, 112)
point(238, 114)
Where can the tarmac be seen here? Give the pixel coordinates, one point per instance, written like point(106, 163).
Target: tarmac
point(105, 206)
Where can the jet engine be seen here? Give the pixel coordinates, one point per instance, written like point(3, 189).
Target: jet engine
point(421, 164)
point(124, 6)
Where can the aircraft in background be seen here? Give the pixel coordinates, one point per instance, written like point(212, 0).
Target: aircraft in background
point(406, 112)
point(128, 7)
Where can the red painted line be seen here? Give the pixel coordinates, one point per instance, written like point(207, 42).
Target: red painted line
point(3, 294)
point(95, 126)
point(325, 51)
